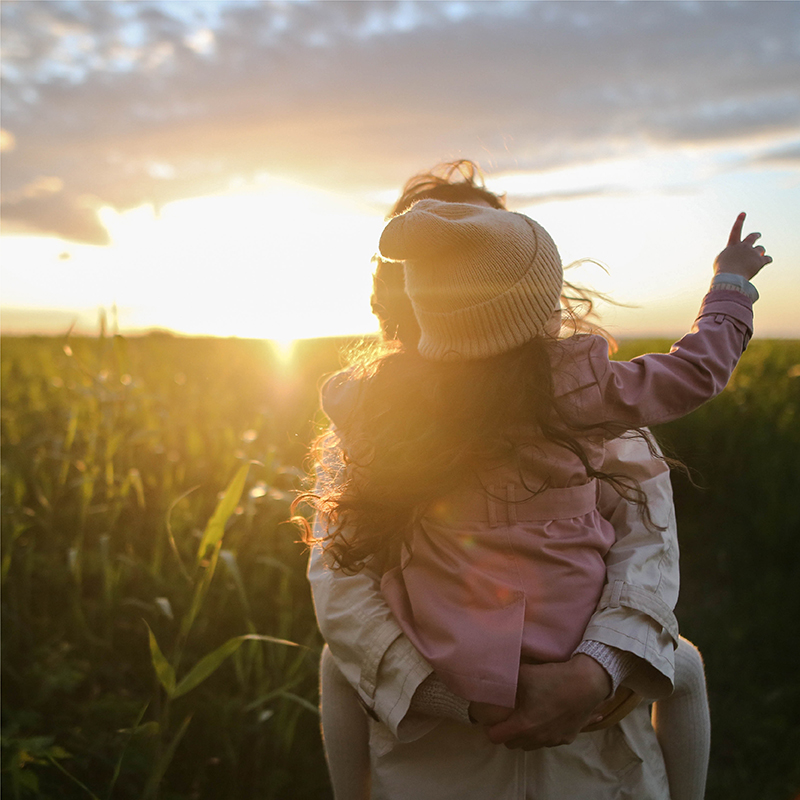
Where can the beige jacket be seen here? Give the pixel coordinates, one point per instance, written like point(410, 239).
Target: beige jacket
point(635, 614)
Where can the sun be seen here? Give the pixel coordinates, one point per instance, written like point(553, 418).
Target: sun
point(277, 260)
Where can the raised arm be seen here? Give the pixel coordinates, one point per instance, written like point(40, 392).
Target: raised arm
point(660, 387)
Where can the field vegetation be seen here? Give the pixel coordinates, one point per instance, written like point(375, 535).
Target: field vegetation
point(158, 634)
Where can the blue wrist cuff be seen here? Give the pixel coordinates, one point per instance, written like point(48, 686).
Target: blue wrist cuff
point(736, 283)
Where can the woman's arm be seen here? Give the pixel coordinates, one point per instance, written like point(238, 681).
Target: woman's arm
point(369, 647)
point(635, 613)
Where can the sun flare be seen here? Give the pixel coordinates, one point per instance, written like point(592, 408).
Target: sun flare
point(283, 261)
point(279, 261)
point(276, 260)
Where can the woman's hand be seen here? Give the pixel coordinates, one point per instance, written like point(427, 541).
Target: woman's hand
point(555, 701)
point(742, 256)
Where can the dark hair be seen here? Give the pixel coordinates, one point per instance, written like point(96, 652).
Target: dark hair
point(424, 428)
point(455, 182)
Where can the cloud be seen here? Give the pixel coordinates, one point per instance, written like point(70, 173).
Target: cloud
point(135, 102)
point(57, 214)
point(517, 200)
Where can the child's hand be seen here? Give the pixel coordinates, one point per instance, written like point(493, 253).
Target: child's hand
point(488, 713)
point(742, 256)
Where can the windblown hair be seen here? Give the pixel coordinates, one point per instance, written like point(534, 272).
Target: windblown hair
point(422, 429)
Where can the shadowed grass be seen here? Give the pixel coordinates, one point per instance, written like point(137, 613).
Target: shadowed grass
point(114, 454)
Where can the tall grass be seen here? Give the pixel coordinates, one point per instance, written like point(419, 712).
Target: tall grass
point(120, 555)
point(739, 532)
point(150, 583)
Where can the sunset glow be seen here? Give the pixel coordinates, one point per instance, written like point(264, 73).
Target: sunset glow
point(277, 260)
point(195, 398)
point(224, 168)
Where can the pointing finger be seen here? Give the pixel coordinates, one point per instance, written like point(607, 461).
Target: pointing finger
point(736, 230)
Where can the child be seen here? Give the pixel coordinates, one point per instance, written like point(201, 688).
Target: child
point(485, 284)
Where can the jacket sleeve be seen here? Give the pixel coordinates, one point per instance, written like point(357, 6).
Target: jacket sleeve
point(660, 387)
point(635, 612)
point(369, 647)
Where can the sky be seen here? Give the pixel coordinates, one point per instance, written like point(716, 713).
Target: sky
point(225, 168)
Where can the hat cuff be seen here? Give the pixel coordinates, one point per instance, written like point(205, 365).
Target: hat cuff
point(490, 328)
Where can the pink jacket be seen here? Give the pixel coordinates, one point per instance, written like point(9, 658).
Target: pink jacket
point(498, 575)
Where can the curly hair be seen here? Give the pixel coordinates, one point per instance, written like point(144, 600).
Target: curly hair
point(454, 182)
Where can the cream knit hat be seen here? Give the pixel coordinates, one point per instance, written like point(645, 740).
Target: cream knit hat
point(481, 280)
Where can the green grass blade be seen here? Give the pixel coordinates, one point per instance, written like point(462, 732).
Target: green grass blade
point(158, 773)
point(69, 438)
point(118, 766)
point(229, 558)
point(171, 537)
point(135, 479)
point(17, 529)
point(151, 728)
point(295, 698)
point(199, 595)
point(83, 786)
point(216, 525)
point(209, 664)
point(164, 670)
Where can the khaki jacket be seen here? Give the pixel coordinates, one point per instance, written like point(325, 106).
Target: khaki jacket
point(457, 762)
point(635, 614)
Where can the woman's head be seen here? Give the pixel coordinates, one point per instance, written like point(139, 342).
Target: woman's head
point(454, 181)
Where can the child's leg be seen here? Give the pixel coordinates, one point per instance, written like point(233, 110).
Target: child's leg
point(345, 733)
point(683, 726)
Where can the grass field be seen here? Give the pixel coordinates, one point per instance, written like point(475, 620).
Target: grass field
point(158, 636)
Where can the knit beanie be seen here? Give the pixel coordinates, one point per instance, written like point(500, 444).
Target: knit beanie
point(482, 281)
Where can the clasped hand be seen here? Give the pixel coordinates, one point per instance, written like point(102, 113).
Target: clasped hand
point(554, 703)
